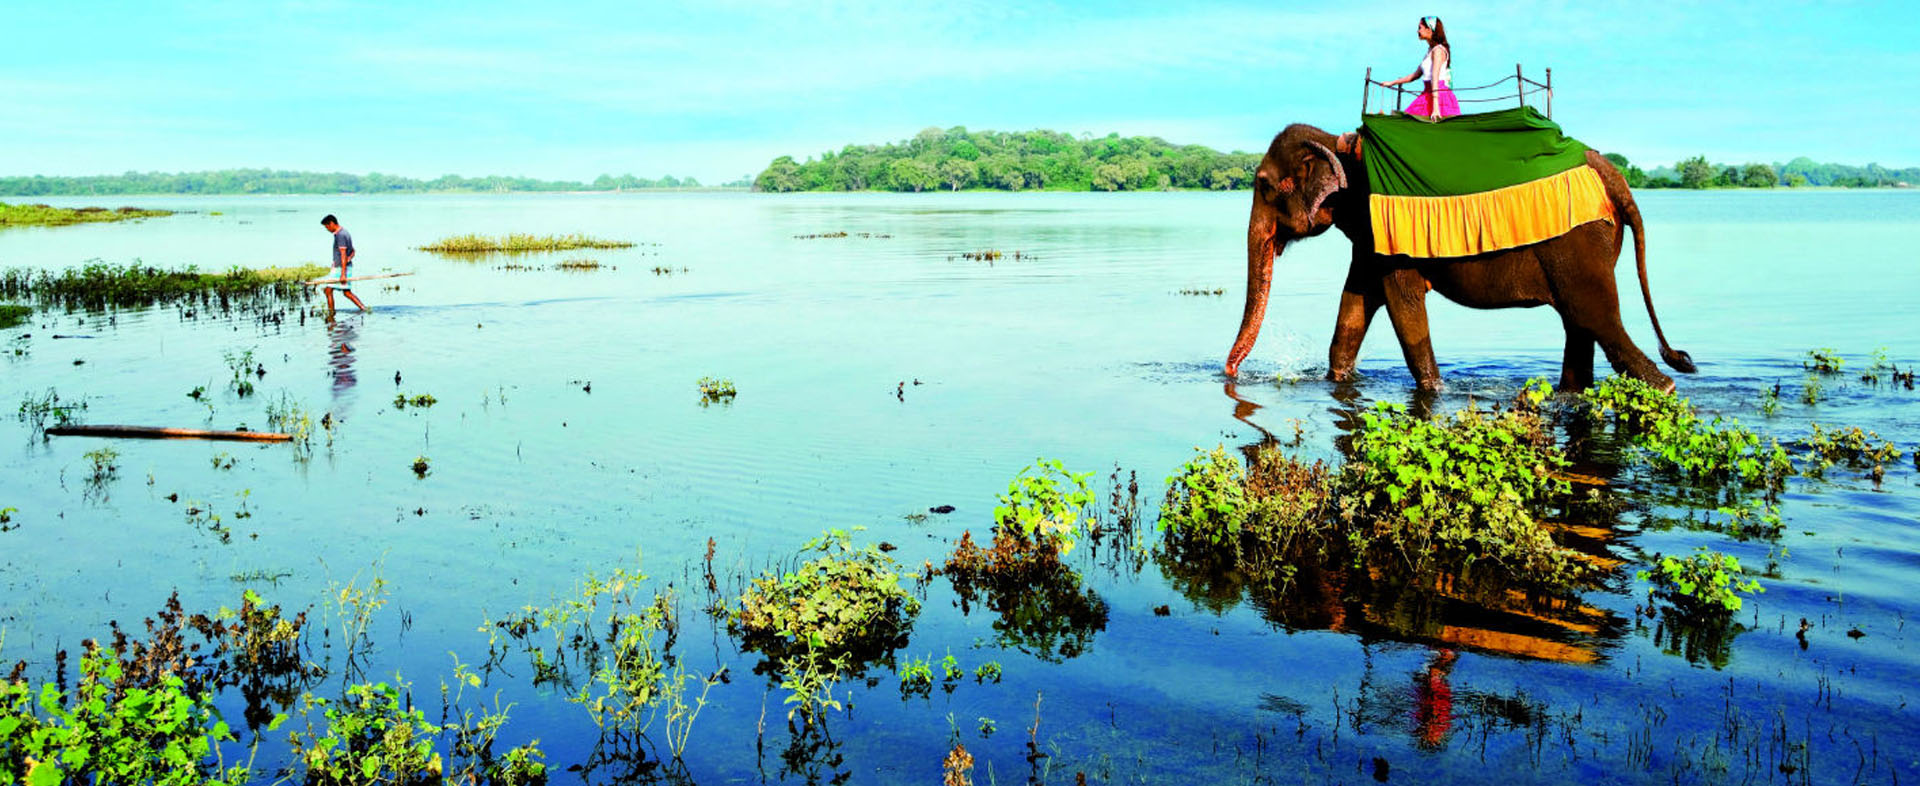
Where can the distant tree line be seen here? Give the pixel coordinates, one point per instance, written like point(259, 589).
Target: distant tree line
point(271, 181)
point(1696, 172)
point(955, 158)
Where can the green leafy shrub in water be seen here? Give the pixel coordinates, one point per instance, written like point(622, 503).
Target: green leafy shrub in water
point(106, 733)
point(1206, 499)
point(825, 618)
point(1851, 446)
point(13, 316)
point(845, 601)
point(1466, 488)
point(1443, 493)
point(1677, 440)
point(1706, 584)
point(1046, 506)
point(370, 737)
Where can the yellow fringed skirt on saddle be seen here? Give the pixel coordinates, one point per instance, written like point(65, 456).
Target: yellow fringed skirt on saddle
point(1473, 184)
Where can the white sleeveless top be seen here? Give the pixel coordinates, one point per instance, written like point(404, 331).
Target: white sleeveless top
point(1426, 68)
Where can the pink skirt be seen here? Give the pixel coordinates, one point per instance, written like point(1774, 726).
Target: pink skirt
point(1449, 106)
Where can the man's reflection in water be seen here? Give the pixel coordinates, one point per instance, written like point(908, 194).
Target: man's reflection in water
point(341, 336)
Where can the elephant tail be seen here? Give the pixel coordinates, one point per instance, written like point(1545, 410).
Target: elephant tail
point(1623, 202)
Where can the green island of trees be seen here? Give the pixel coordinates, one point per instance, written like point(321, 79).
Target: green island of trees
point(1696, 172)
point(955, 158)
point(273, 181)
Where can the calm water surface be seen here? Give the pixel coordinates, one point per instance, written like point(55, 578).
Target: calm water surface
point(568, 438)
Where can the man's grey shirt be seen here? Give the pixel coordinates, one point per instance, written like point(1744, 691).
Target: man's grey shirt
point(340, 240)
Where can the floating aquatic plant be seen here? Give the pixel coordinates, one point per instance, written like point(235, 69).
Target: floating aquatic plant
point(715, 390)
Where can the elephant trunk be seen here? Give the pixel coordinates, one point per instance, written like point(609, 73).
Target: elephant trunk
point(1260, 253)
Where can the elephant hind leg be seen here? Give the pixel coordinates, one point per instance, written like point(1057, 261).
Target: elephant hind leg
point(1576, 364)
point(1589, 304)
point(1406, 301)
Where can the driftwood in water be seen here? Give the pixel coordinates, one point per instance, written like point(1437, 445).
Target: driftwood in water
point(158, 432)
point(324, 281)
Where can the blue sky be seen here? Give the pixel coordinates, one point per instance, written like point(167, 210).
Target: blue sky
point(716, 89)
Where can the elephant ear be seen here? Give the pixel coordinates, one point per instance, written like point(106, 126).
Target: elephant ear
point(1323, 180)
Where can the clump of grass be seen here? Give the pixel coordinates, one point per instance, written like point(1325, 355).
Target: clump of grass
point(715, 390)
point(826, 618)
point(578, 265)
point(289, 416)
point(518, 243)
point(37, 411)
point(1678, 440)
point(1705, 585)
point(402, 401)
point(13, 315)
point(421, 466)
point(241, 363)
point(49, 216)
point(103, 285)
point(611, 650)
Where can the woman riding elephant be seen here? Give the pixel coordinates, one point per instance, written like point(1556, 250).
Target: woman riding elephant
point(1437, 100)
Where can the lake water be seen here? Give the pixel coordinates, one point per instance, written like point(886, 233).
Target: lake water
point(568, 437)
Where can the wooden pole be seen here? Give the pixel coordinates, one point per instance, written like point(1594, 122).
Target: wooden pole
point(1519, 85)
point(1366, 90)
point(1549, 93)
point(157, 432)
point(321, 281)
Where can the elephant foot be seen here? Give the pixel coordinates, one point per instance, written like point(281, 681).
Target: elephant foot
point(1430, 385)
point(1340, 374)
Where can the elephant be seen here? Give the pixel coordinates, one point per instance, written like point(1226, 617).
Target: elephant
point(1303, 187)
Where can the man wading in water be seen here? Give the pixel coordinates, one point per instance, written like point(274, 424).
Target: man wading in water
point(340, 255)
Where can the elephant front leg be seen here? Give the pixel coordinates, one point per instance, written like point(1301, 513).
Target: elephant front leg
point(1360, 299)
point(1406, 301)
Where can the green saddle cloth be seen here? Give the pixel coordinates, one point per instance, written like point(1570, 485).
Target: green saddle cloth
point(1464, 154)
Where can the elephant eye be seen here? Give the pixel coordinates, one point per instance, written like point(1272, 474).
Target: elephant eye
point(1286, 185)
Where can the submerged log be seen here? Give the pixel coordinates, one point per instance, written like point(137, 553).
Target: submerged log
point(158, 432)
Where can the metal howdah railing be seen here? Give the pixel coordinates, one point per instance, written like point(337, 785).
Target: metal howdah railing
point(1516, 88)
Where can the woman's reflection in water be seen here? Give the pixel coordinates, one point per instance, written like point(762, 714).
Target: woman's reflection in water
point(341, 335)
